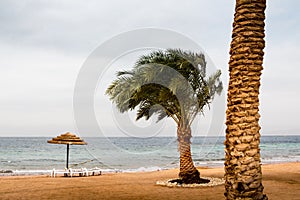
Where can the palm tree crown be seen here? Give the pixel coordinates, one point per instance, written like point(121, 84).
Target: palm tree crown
point(174, 79)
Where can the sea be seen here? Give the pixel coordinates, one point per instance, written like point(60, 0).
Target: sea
point(34, 156)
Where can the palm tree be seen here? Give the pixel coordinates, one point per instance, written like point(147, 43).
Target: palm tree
point(243, 176)
point(169, 83)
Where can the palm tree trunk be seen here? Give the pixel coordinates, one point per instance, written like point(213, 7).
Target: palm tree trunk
point(243, 176)
point(188, 172)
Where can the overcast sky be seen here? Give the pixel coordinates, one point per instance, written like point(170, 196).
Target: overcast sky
point(43, 45)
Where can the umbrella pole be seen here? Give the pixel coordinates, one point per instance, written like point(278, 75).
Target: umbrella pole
point(67, 156)
point(67, 164)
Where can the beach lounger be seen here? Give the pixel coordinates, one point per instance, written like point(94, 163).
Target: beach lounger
point(80, 172)
point(54, 172)
point(70, 172)
point(94, 171)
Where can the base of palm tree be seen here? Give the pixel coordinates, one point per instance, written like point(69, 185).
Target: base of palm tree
point(190, 176)
point(210, 182)
point(180, 181)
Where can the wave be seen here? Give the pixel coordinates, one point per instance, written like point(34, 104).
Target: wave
point(9, 172)
point(198, 162)
point(209, 159)
point(144, 169)
point(282, 159)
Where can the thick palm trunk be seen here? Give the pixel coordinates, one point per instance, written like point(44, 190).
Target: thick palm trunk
point(243, 174)
point(188, 172)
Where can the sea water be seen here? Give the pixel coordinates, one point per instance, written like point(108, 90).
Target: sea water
point(33, 155)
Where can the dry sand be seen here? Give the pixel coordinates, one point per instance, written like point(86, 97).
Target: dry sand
point(281, 181)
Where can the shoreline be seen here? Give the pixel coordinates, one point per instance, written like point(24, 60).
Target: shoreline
point(131, 154)
point(46, 172)
point(281, 181)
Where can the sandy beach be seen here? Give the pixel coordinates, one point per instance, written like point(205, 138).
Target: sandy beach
point(281, 181)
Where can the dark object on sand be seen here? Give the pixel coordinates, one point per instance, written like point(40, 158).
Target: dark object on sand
point(6, 171)
point(180, 181)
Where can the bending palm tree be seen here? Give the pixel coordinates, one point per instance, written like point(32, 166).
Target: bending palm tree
point(169, 83)
point(242, 166)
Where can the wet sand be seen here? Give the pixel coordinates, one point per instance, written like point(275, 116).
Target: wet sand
point(281, 181)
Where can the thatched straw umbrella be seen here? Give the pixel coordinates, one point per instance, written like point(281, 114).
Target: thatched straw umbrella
point(68, 139)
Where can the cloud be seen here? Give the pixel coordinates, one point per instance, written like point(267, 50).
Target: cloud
point(77, 26)
point(44, 43)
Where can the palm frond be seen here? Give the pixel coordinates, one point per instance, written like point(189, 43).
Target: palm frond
point(169, 83)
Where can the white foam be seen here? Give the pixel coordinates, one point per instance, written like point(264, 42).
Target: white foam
point(144, 169)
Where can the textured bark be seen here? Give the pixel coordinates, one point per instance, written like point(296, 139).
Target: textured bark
point(188, 173)
point(243, 174)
